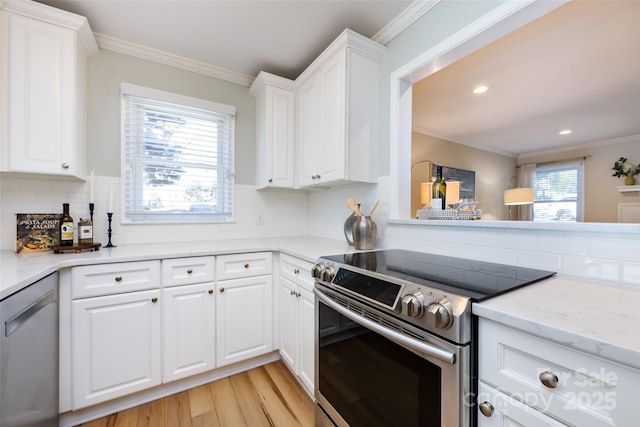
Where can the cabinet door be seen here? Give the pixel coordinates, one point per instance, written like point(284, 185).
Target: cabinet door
point(189, 330)
point(307, 339)
point(333, 119)
point(280, 136)
point(289, 324)
point(116, 346)
point(308, 133)
point(41, 100)
point(243, 319)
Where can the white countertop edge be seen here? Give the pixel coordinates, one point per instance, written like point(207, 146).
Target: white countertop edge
point(585, 325)
point(28, 268)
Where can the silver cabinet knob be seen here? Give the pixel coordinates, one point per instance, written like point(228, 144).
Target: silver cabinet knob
point(548, 379)
point(486, 408)
point(210, 291)
point(221, 290)
point(65, 166)
point(189, 271)
point(270, 179)
point(246, 266)
point(154, 300)
point(118, 278)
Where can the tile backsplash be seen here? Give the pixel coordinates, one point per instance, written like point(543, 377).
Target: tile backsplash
point(262, 213)
point(608, 256)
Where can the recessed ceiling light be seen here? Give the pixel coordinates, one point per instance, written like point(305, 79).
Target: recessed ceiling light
point(480, 89)
point(564, 132)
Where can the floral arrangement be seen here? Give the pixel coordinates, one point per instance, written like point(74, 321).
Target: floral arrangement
point(623, 167)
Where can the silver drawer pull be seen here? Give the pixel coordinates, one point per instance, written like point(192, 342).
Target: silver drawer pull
point(65, 166)
point(189, 271)
point(296, 271)
point(486, 408)
point(154, 299)
point(221, 290)
point(246, 265)
point(210, 291)
point(548, 379)
point(118, 278)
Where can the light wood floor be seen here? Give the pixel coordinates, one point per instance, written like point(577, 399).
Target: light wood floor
point(264, 396)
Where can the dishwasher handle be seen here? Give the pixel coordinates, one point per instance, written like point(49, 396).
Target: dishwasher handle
point(13, 324)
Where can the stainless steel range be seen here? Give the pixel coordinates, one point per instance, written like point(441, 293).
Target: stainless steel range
point(396, 340)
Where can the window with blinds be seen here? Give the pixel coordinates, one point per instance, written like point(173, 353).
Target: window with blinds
point(557, 192)
point(177, 157)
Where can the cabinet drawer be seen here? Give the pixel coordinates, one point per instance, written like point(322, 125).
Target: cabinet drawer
point(188, 271)
point(243, 265)
point(581, 389)
point(297, 270)
point(107, 279)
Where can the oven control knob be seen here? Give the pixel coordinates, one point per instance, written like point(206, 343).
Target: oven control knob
point(440, 314)
point(412, 304)
point(316, 271)
point(328, 273)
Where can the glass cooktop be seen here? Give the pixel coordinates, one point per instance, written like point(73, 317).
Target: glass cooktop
point(477, 280)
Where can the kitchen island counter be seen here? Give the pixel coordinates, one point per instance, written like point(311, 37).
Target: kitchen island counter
point(20, 270)
point(597, 318)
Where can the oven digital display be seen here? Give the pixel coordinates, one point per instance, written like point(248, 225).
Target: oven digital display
point(378, 290)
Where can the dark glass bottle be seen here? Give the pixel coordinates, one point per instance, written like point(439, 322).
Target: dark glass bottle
point(66, 227)
point(439, 189)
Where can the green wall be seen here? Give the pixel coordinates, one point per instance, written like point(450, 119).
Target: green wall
point(108, 69)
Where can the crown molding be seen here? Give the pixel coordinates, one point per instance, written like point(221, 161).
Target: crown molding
point(593, 144)
point(52, 15)
point(407, 17)
point(161, 57)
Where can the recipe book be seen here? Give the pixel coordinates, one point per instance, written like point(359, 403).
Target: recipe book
point(37, 232)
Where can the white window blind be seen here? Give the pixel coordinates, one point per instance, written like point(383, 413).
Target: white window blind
point(177, 157)
point(557, 192)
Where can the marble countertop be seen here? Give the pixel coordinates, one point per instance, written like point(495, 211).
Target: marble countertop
point(19, 271)
point(600, 319)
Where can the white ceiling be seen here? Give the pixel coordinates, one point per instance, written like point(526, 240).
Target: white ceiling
point(577, 68)
point(280, 37)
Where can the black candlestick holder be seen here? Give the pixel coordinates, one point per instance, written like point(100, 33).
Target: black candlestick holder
point(109, 230)
point(91, 206)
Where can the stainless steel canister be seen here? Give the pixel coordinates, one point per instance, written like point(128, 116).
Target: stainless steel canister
point(364, 233)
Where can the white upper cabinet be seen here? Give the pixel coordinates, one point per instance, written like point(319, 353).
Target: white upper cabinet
point(44, 89)
point(338, 114)
point(275, 131)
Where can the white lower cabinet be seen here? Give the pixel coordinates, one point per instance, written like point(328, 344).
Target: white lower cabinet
point(502, 410)
point(188, 319)
point(297, 320)
point(535, 382)
point(243, 319)
point(116, 346)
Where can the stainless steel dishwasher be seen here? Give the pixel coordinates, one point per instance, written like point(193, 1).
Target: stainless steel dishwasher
point(29, 356)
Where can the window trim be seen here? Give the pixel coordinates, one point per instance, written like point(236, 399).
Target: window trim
point(577, 164)
point(187, 101)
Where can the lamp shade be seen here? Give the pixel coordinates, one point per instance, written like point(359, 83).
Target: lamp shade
point(518, 196)
point(425, 192)
point(453, 192)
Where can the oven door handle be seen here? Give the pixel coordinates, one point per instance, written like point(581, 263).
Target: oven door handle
point(422, 347)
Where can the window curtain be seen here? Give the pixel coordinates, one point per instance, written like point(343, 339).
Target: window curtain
point(526, 177)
